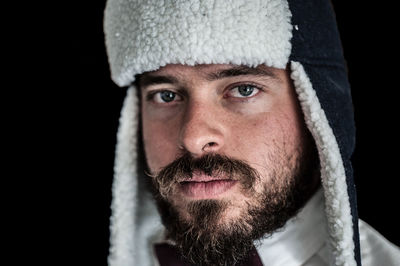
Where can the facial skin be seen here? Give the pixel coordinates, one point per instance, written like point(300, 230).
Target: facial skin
point(248, 114)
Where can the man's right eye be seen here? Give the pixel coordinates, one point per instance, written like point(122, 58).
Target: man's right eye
point(164, 97)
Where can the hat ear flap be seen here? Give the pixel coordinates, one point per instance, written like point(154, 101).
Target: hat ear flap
point(333, 175)
point(124, 187)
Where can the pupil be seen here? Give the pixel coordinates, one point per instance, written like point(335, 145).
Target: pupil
point(245, 90)
point(167, 96)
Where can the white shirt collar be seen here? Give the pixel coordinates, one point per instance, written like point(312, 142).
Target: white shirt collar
point(301, 238)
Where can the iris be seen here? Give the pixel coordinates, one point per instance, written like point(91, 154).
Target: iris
point(245, 90)
point(167, 96)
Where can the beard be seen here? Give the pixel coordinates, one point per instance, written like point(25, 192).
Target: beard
point(199, 228)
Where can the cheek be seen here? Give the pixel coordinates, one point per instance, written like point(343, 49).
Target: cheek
point(268, 142)
point(159, 140)
point(256, 135)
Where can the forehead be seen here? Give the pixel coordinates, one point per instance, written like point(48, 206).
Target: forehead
point(209, 72)
point(198, 69)
point(204, 68)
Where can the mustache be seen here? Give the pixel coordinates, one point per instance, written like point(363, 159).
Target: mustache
point(211, 164)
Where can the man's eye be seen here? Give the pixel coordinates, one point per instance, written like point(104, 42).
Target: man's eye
point(165, 97)
point(243, 91)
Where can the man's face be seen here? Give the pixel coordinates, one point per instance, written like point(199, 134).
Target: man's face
point(234, 143)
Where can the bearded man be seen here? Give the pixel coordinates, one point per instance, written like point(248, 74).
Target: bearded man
point(235, 137)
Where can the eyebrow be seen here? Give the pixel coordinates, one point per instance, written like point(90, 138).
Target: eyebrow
point(148, 80)
point(241, 71)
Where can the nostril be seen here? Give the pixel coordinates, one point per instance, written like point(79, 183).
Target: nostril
point(209, 145)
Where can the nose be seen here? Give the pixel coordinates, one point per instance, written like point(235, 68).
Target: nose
point(201, 132)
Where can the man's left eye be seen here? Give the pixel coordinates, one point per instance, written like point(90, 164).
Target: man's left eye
point(243, 91)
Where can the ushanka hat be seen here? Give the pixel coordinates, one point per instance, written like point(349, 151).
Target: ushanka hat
point(143, 36)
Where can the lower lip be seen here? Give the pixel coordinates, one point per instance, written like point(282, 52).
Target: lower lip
point(209, 189)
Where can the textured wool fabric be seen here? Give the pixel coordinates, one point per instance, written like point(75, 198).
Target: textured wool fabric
point(332, 169)
point(198, 32)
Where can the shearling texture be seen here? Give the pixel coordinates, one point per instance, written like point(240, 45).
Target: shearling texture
point(145, 35)
point(135, 222)
point(125, 185)
point(332, 169)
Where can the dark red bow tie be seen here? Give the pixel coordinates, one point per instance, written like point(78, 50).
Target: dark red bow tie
point(168, 255)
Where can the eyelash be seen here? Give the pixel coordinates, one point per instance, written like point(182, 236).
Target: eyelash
point(237, 85)
point(150, 96)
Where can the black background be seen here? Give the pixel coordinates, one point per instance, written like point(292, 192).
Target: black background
point(71, 117)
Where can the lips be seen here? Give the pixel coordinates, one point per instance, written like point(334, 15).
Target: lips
point(202, 186)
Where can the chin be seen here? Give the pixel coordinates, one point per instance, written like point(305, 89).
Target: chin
point(221, 212)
